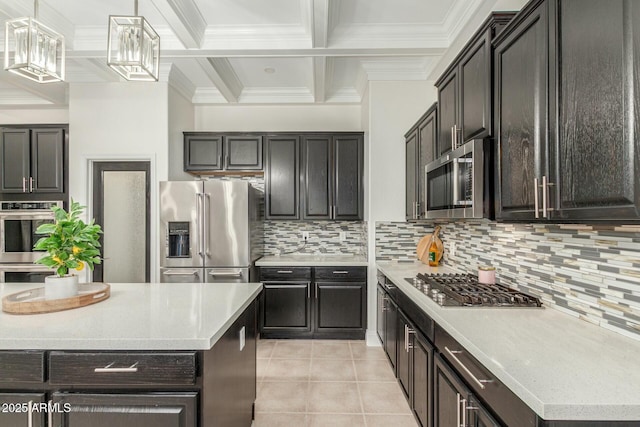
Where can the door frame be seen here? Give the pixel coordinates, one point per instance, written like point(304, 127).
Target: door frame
point(99, 166)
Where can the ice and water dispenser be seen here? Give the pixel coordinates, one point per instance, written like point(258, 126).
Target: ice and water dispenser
point(178, 239)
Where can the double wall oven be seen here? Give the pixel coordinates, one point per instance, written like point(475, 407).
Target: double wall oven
point(18, 224)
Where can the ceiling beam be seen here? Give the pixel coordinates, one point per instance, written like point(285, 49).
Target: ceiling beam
point(185, 19)
point(320, 78)
point(221, 73)
point(320, 23)
point(55, 93)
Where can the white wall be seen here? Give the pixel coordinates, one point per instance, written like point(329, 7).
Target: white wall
point(181, 118)
point(34, 116)
point(278, 118)
point(118, 121)
point(393, 108)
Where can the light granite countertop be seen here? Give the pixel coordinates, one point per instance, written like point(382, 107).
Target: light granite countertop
point(312, 261)
point(562, 367)
point(137, 316)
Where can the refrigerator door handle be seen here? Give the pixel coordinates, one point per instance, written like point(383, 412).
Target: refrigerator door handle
point(199, 223)
point(205, 221)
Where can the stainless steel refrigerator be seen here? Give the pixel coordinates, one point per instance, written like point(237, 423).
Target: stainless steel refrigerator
point(210, 231)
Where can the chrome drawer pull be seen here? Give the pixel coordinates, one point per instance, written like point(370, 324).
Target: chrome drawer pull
point(109, 369)
point(172, 273)
point(231, 274)
point(285, 271)
point(481, 383)
point(340, 272)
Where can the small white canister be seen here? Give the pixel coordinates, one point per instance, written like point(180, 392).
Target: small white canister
point(487, 275)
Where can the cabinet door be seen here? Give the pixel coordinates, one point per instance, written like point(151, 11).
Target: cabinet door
point(403, 352)
point(382, 297)
point(478, 415)
point(422, 380)
point(427, 134)
point(15, 160)
point(282, 177)
point(597, 155)
point(126, 410)
point(316, 177)
point(202, 152)
point(447, 111)
point(390, 333)
point(448, 395)
point(340, 305)
point(348, 173)
point(475, 90)
point(411, 172)
point(521, 115)
point(47, 161)
point(285, 307)
point(15, 410)
point(243, 152)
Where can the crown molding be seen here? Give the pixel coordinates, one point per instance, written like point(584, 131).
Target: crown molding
point(208, 95)
point(270, 95)
point(181, 83)
point(385, 69)
point(345, 95)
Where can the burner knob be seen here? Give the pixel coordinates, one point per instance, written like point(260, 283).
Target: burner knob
point(440, 298)
point(434, 293)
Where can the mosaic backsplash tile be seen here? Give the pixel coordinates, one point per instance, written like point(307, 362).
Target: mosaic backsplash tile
point(285, 237)
point(588, 271)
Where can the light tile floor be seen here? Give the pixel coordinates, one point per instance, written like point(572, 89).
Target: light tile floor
point(327, 384)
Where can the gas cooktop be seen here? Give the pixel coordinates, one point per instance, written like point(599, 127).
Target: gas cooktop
point(464, 290)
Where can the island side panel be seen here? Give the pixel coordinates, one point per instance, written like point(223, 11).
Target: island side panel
point(229, 375)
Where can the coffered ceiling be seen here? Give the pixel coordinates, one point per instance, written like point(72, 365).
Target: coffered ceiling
point(254, 51)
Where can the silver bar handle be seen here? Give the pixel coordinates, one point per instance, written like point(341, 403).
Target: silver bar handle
point(308, 290)
point(30, 414)
point(199, 219)
point(169, 273)
point(535, 197)
point(50, 418)
point(473, 377)
point(417, 210)
point(464, 412)
point(316, 291)
point(30, 184)
point(544, 196)
point(405, 339)
point(340, 272)
point(285, 271)
point(205, 221)
point(108, 369)
point(458, 410)
point(453, 142)
point(24, 184)
point(226, 274)
point(410, 331)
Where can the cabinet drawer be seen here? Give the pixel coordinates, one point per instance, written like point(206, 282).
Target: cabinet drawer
point(122, 368)
point(341, 273)
point(21, 366)
point(285, 273)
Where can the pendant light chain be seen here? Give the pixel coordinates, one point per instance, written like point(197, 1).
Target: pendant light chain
point(35, 9)
point(135, 7)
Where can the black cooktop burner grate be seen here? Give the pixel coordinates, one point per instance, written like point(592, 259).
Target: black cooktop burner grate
point(464, 290)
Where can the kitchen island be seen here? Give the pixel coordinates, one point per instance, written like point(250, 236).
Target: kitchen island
point(165, 355)
point(567, 371)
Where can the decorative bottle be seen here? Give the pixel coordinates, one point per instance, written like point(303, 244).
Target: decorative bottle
point(435, 248)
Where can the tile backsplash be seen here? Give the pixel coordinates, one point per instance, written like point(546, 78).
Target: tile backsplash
point(285, 237)
point(588, 271)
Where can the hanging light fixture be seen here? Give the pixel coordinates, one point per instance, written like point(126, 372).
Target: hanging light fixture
point(33, 50)
point(133, 48)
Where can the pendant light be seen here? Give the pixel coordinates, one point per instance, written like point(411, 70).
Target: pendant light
point(133, 48)
point(33, 50)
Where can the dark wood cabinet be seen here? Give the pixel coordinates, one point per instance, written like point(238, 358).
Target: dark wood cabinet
point(332, 171)
point(33, 161)
point(465, 89)
point(521, 113)
point(565, 115)
point(320, 302)
point(421, 149)
point(17, 411)
point(421, 380)
point(381, 308)
point(126, 410)
point(282, 178)
point(390, 331)
point(403, 353)
point(449, 393)
point(217, 151)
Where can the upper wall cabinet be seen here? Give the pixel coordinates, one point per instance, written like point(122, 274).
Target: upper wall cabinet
point(212, 151)
point(566, 118)
point(33, 162)
point(420, 150)
point(282, 177)
point(465, 89)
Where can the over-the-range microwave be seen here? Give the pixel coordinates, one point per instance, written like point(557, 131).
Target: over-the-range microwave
point(457, 183)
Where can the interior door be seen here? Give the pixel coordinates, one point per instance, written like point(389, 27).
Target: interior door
point(121, 205)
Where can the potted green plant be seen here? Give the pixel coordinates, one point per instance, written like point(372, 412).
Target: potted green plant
point(70, 244)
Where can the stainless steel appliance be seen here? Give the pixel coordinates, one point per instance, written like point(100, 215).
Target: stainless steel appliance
point(18, 224)
point(24, 273)
point(464, 290)
point(210, 231)
point(455, 183)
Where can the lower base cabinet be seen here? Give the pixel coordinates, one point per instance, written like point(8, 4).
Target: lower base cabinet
point(313, 302)
point(16, 410)
point(421, 380)
point(125, 410)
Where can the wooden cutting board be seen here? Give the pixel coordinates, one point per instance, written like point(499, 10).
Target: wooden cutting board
point(423, 249)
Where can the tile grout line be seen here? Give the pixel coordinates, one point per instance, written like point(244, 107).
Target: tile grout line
point(355, 373)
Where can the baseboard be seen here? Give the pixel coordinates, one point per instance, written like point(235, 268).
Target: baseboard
point(372, 339)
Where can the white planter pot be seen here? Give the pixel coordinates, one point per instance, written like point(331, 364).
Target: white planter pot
point(60, 287)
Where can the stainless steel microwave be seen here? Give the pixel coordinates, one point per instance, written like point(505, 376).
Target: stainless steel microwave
point(455, 182)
